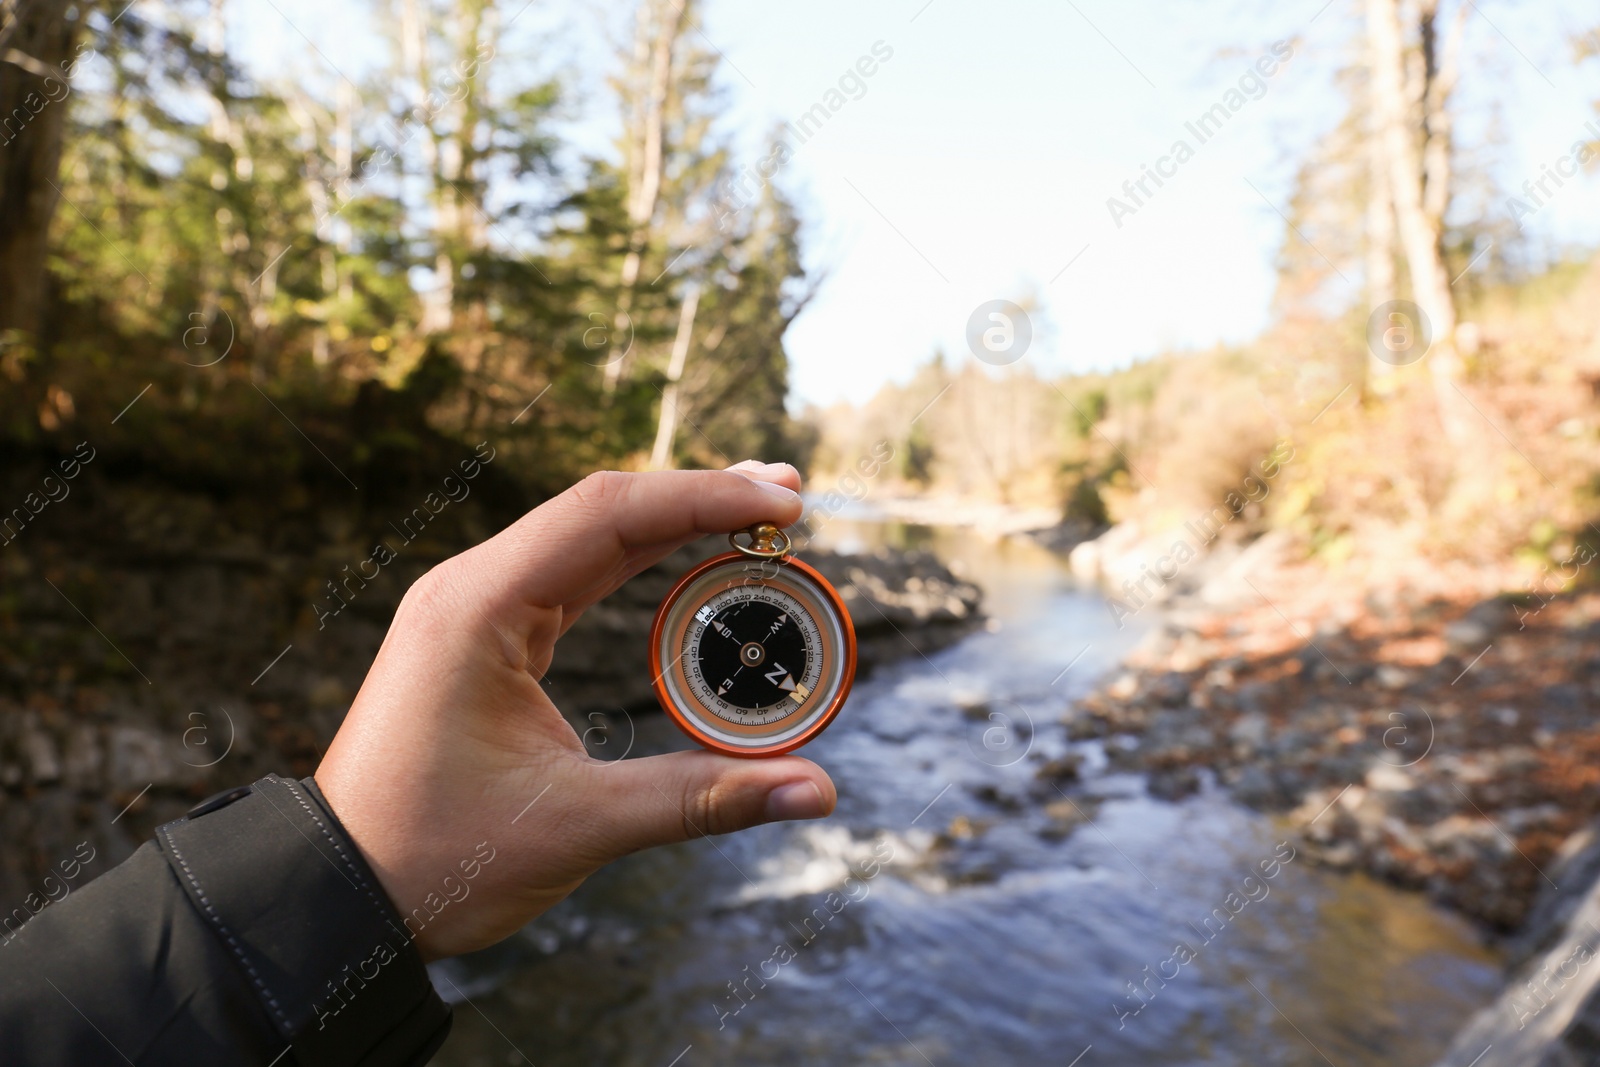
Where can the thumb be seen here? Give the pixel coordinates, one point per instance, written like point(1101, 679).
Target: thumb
point(661, 800)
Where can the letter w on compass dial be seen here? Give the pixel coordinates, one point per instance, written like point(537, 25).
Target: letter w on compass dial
point(756, 654)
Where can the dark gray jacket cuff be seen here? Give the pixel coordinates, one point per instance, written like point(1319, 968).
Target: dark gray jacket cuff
point(279, 883)
point(250, 932)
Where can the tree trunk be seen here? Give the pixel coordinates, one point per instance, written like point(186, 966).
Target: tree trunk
point(656, 35)
point(1442, 63)
point(667, 425)
point(1415, 127)
point(37, 38)
point(438, 303)
point(1380, 243)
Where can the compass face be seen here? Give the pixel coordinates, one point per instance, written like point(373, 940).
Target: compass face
point(753, 658)
point(755, 654)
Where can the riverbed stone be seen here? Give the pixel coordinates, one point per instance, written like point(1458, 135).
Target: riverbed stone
point(1060, 770)
point(1173, 783)
point(1549, 1013)
point(1250, 731)
point(141, 756)
point(83, 758)
point(39, 753)
point(1062, 818)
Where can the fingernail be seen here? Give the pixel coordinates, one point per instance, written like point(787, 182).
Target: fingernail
point(782, 492)
point(797, 800)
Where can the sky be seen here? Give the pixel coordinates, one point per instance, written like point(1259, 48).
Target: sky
point(976, 162)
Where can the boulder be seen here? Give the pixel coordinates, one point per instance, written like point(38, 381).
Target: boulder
point(1549, 1013)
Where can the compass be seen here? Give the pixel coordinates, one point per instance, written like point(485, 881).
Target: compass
point(753, 651)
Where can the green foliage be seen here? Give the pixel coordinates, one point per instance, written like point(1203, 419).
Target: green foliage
point(249, 252)
point(916, 458)
point(1083, 500)
point(1089, 408)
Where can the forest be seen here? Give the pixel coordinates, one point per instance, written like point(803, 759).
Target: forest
point(271, 347)
point(359, 263)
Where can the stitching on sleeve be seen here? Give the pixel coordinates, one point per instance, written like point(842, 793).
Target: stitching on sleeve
point(216, 920)
point(294, 788)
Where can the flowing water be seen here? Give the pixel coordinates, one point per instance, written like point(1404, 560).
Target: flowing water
point(957, 910)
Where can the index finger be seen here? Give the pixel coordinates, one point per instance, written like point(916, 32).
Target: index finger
point(591, 534)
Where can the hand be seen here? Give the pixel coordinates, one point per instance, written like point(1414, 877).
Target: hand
point(451, 737)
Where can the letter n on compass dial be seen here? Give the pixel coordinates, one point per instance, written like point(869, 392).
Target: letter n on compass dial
point(753, 667)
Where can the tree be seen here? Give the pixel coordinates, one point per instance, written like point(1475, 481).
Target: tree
point(667, 423)
point(38, 40)
point(690, 301)
point(736, 384)
point(232, 239)
point(646, 87)
point(1411, 90)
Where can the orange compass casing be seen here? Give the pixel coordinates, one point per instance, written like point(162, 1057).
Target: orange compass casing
point(671, 679)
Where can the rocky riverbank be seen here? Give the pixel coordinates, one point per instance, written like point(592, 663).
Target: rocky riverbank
point(1549, 1013)
point(1406, 721)
point(141, 672)
point(1442, 741)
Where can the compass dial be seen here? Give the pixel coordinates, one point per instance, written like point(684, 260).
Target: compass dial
point(754, 655)
point(753, 659)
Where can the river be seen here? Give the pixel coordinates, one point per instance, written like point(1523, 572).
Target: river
point(980, 915)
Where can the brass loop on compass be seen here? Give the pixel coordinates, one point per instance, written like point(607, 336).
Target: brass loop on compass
point(766, 541)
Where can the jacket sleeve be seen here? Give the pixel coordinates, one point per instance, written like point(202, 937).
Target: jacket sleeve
point(250, 931)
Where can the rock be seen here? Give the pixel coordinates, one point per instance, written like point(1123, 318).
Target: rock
point(1386, 777)
point(961, 828)
point(329, 692)
point(1475, 629)
point(39, 753)
point(1255, 697)
point(1173, 783)
point(1084, 727)
point(1549, 1013)
point(909, 590)
point(1467, 634)
point(1064, 816)
point(1250, 731)
point(1574, 869)
point(1122, 750)
point(1258, 786)
point(84, 758)
point(1391, 677)
point(1464, 839)
point(1124, 687)
point(1562, 707)
point(1061, 770)
point(1424, 806)
point(141, 756)
point(1067, 535)
point(976, 711)
point(1341, 856)
point(989, 794)
point(1170, 688)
